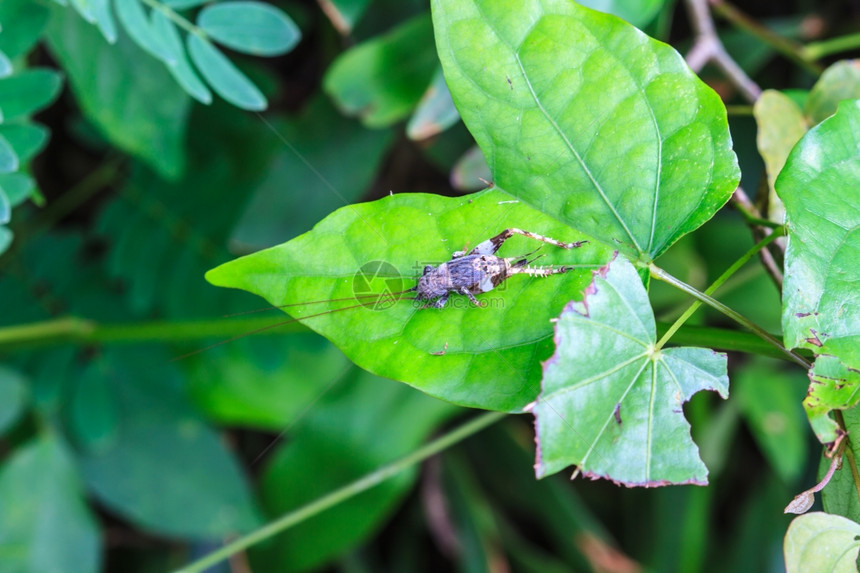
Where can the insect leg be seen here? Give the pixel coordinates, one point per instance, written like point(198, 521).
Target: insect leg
point(538, 271)
point(490, 246)
point(470, 295)
point(440, 302)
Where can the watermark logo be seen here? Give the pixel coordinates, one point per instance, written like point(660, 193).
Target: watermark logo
point(378, 285)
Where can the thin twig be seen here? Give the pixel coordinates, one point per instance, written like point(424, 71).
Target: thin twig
point(707, 47)
point(751, 213)
point(788, 48)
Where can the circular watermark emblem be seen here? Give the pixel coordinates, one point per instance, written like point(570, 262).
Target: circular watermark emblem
point(377, 285)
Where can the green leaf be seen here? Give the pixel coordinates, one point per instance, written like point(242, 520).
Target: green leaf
point(223, 76)
point(292, 196)
point(344, 13)
point(104, 19)
point(435, 112)
point(29, 20)
point(618, 415)
point(250, 27)
point(381, 80)
point(18, 187)
point(839, 496)
point(13, 398)
point(135, 21)
point(130, 98)
point(45, 524)
point(27, 92)
point(364, 423)
point(165, 32)
point(822, 261)
point(581, 114)
point(839, 82)
point(485, 357)
point(638, 12)
point(781, 124)
point(471, 171)
point(8, 158)
point(819, 542)
point(165, 469)
point(27, 139)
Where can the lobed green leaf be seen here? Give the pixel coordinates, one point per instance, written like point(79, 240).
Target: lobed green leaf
point(610, 401)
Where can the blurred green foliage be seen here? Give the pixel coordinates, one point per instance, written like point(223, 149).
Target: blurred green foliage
point(128, 168)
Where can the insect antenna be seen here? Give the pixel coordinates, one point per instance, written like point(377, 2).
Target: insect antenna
point(354, 297)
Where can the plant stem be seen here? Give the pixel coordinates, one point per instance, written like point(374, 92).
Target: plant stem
point(725, 339)
point(716, 284)
point(818, 50)
point(707, 47)
point(662, 275)
point(792, 50)
point(175, 17)
point(84, 331)
point(363, 484)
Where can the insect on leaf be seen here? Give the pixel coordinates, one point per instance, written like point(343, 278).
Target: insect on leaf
point(484, 357)
point(583, 116)
point(821, 301)
point(610, 402)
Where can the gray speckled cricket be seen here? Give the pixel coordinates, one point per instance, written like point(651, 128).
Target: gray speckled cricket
point(467, 273)
point(480, 270)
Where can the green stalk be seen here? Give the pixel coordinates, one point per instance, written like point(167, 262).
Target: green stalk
point(818, 50)
point(735, 267)
point(662, 275)
point(362, 484)
point(83, 331)
point(788, 48)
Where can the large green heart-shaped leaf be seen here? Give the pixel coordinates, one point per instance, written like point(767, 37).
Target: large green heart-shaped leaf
point(821, 301)
point(586, 118)
point(611, 401)
point(485, 357)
